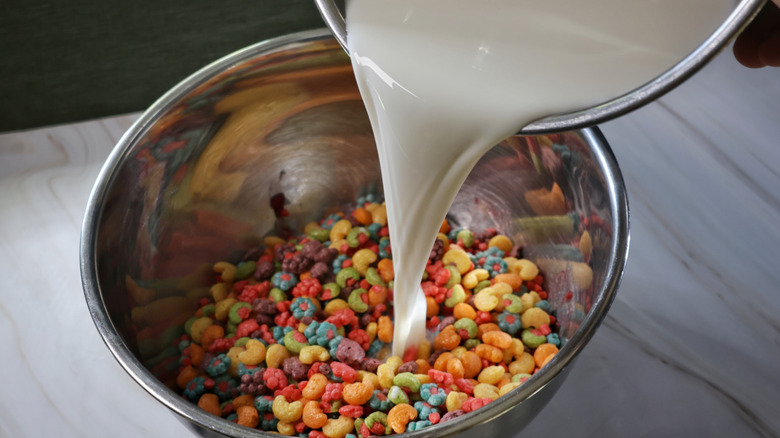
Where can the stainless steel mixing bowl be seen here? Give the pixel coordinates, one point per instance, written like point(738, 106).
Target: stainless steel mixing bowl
point(191, 183)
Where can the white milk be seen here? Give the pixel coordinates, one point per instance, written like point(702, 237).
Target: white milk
point(445, 80)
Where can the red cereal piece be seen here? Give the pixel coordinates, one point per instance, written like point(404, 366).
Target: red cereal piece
point(209, 384)
point(300, 426)
point(308, 287)
point(351, 411)
point(434, 417)
point(344, 371)
point(246, 327)
point(473, 404)
point(316, 434)
point(332, 392)
point(239, 285)
point(290, 392)
point(274, 378)
point(378, 428)
point(443, 378)
point(464, 385)
point(361, 337)
point(221, 345)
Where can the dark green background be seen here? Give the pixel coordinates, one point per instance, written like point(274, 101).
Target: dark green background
point(64, 61)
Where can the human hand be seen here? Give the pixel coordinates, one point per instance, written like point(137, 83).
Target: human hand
point(759, 44)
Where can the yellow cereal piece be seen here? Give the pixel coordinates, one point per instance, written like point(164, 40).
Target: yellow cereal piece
point(198, 327)
point(379, 215)
point(222, 308)
point(233, 353)
point(226, 270)
point(287, 412)
point(254, 353)
point(313, 353)
point(423, 378)
point(502, 242)
point(473, 277)
point(523, 267)
point(368, 376)
point(385, 374)
point(507, 387)
point(485, 301)
point(491, 375)
point(275, 355)
point(455, 400)
point(362, 259)
point(485, 390)
point(457, 257)
point(534, 317)
point(338, 428)
point(523, 365)
point(335, 305)
point(218, 292)
point(395, 362)
point(286, 429)
point(340, 230)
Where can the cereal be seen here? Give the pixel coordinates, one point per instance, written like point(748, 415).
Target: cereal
point(295, 339)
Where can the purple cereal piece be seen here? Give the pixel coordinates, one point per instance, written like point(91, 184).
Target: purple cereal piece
point(252, 255)
point(516, 252)
point(451, 415)
point(319, 270)
point(297, 264)
point(264, 306)
point(449, 320)
point(264, 271)
point(281, 250)
point(353, 220)
point(262, 319)
point(326, 255)
point(311, 248)
point(408, 367)
point(350, 352)
point(293, 367)
point(366, 319)
point(370, 364)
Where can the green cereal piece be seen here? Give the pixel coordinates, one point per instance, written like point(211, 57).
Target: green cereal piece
point(233, 312)
point(356, 302)
point(319, 234)
point(245, 270)
point(299, 247)
point(425, 276)
point(458, 295)
point(454, 277)
point(358, 424)
point(334, 289)
point(469, 325)
point(242, 341)
point(345, 274)
point(481, 285)
point(373, 277)
point(520, 377)
point(467, 237)
point(341, 331)
point(353, 236)
point(292, 345)
point(531, 340)
point(188, 324)
point(397, 395)
point(391, 284)
point(231, 328)
point(379, 417)
point(335, 406)
point(207, 310)
point(516, 304)
point(277, 295)
point(471, 343)
point(407, 380)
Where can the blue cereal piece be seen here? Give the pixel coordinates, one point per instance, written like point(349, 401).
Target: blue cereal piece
point(554, 339)
point(333, 344)
point(509, 322)
point(495, 265)
point(226, 388)
point(303, 307)
point(284, 280)
point(329, 221)
point(195, 389)
point(264, 404)
point(544, 305)
point(218, 365)
point(374, 348)
point(338, 262)
point(232, 417)
point(380, 402)
point(385, 251)
point(417, 425)
point(432, 394)
point(279, 332)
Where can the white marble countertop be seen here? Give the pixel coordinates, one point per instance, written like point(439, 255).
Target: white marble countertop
point(691, 346)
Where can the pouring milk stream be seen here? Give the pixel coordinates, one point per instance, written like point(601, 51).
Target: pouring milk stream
point(445, 80)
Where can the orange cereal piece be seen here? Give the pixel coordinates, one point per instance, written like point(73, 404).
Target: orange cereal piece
point(463, 310)
point(316, 386)
point(248, 416)
point(185, 376)
point(432, 307)
point(358, 393)
point(445, 227)
point(510, 278)
point(422, 366)
point(489, 353)
point(210, 403)
point(497, 339)
point(472, 364)
point(377, 296)
point(424, 349)
point(441, 361)
point(196, 354)
point(486, 327)
point(543, 351)
point(455, 367)
point(385, 329)
point(243, 400)
point(385, 269)
point(313, 415)
point(400, 415)
point(363, 216)
point(447, 339)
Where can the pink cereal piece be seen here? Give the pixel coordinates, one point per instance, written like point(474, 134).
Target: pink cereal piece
point(351, 411)
point(465, 386)
point(473, 404)
point(441, 377)
point(274, 378)
point(332, 392)
point(246, 327)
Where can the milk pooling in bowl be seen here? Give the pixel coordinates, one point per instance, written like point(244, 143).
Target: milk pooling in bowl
point(443, 81)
